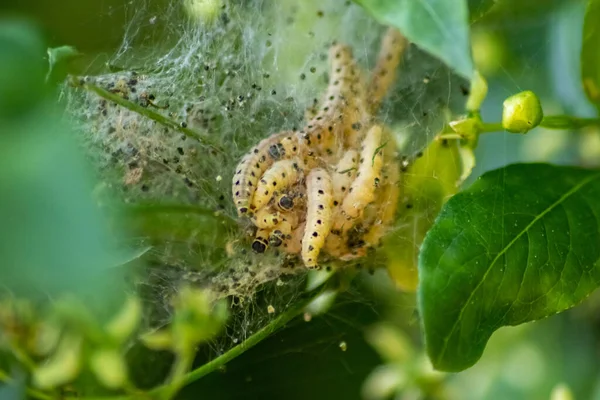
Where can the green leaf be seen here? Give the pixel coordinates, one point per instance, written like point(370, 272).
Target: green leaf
point(509, 10)
point(521, 244)
point(21, 67)
point(479, 8)
point(59, 60)
point(440, 27)
point(53, 238)
point(590, 52)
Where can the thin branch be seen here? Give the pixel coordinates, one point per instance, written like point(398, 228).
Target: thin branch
point(192, 376)
point(146, 112)
point(549, 122)
point(568, 122)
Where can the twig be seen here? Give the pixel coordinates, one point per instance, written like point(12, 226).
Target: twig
point(146, 112)
point(211, 366)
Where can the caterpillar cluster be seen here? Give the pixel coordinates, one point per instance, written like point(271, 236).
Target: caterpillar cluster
point(333, 185)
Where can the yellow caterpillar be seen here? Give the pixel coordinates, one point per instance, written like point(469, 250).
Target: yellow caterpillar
point(280, 176)
point(368, 177)
point(250, 169)
point(266, 217)
point(323, 130)
point(318, 215)
point(261, 241)
point(287, 147)
point(386, 207)
point(393, 45)
point(284, 229)
point(343, 175)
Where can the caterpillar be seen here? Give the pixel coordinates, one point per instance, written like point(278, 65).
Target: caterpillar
point(386, 207)
point(283, 230)
point(285, 202)
point(280, 176)
point(261, 241)
point(249, 170)
point(266, 217)
point(343, 175)
point(286, 147)
point(318, 215)
point(368, 177)
point(393, 45)
point(323, 129)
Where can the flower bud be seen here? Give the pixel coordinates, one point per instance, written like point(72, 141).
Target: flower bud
point(158, 340)
point(62, 367)
point(126, 321)
point(391, 343)
point(196, 319)
point(109, 367)
point(522, 112)
point(322, 303)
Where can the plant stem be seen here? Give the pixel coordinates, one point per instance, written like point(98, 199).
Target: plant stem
point(146, 112)
point(568, 122)
point(252, 341)
point(491, 127)
point(549, 122)
point(211, 366)
point(183, 363)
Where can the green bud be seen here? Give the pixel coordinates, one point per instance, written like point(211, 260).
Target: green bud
point(383, 382)
point(196, 319)
point(390, 342)
point(522, 112)
point(158, 340)
point(479, 89)
point(47, 336)
point(62, 367)
point(322, 303)
point(126, 321)
point(109, 367)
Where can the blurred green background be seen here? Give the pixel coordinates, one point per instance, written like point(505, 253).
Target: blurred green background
point(524, 45)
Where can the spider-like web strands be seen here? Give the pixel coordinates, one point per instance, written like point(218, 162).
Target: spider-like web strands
point(341, 183)
point(220, 89)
